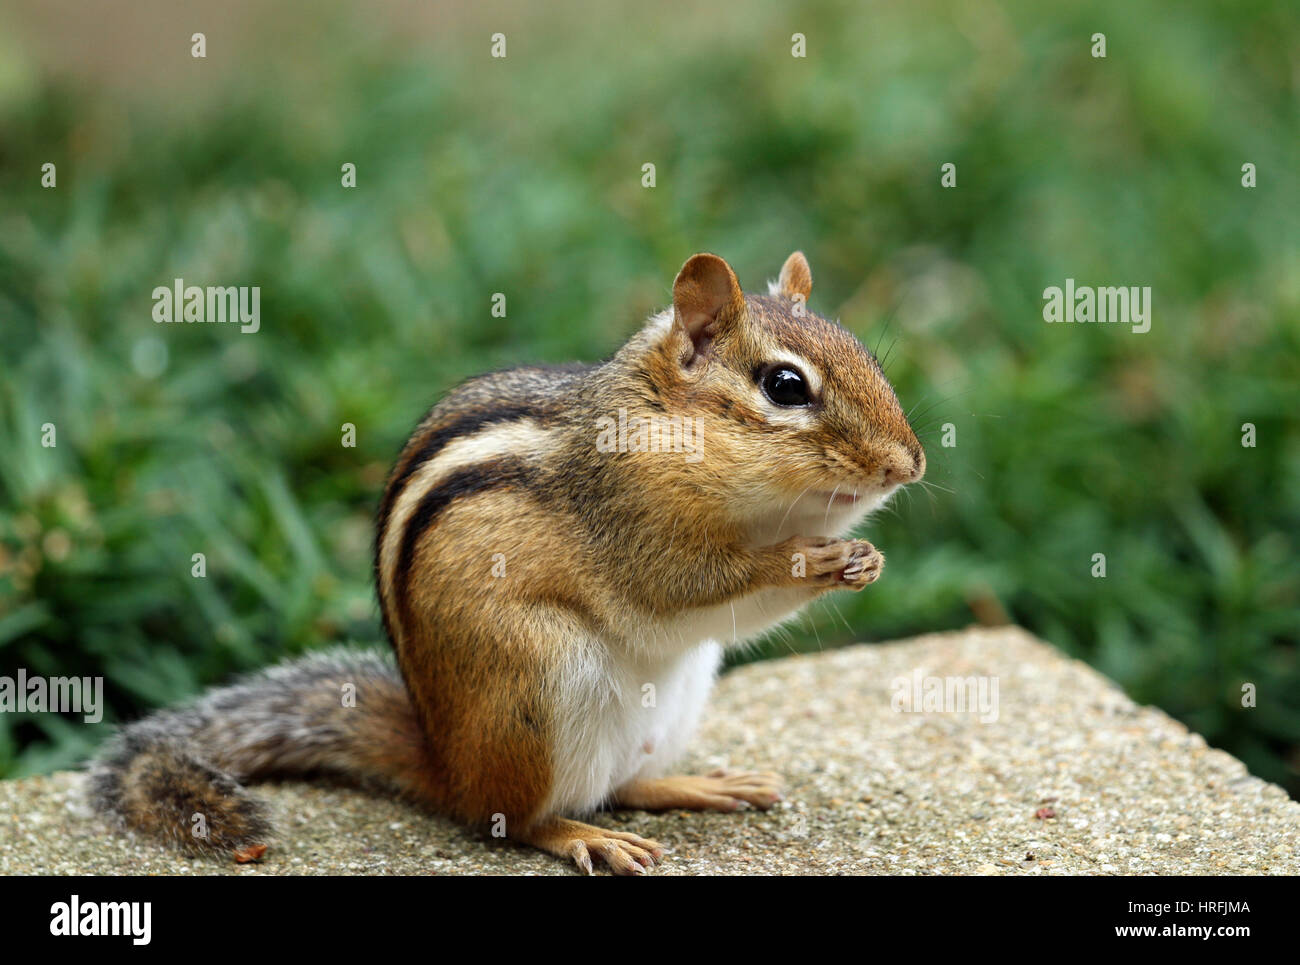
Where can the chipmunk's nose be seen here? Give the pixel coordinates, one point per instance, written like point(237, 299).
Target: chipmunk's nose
point(904, 464)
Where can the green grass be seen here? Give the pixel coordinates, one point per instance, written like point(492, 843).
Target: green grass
point(523, 176)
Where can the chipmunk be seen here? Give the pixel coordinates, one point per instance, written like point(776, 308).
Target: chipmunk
point(558, 607)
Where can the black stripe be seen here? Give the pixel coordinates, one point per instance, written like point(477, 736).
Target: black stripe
point(437, 440)
point(433, 444)
point(480, 477)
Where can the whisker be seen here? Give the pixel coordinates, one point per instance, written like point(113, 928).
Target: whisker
point(927, 485)
point(836, 609)
point(827, 520)
point(791, 506)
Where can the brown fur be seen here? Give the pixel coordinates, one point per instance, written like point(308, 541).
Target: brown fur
point(592, 533)
point(504, 472)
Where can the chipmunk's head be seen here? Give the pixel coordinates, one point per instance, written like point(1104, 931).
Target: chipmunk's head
point(794, 411)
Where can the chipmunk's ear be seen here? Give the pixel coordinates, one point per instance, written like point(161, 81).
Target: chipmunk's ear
point(796, 278)
point(706, 298)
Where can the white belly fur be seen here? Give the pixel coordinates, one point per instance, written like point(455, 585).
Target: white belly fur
point(622, 719)
point(607, 735)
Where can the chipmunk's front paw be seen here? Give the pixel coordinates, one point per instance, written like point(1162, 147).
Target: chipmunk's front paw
point(852, 563)
point(865, 564)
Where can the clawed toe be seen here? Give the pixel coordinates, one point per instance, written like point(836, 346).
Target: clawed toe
point(626, 854)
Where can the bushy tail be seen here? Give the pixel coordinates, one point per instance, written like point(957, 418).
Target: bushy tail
point(177, 774)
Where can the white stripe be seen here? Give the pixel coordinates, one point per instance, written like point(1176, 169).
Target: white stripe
point(523, 438)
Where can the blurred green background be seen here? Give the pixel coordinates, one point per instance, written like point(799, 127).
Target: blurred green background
point(523, 176)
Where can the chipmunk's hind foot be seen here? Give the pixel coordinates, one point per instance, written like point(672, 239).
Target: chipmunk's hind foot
point(719, 791)
point(624, 853)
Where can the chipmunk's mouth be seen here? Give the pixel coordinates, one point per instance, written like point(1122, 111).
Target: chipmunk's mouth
point(839, 497)
point(864, 494)
point(835, 509)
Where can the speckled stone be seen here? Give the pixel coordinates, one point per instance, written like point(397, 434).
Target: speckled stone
point(1072, 778)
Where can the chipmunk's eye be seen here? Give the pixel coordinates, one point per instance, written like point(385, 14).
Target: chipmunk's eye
point(785, 386)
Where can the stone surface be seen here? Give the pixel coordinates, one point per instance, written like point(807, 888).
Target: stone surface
point(1071, 778)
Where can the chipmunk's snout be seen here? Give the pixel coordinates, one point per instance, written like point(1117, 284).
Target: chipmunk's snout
point(903, 464)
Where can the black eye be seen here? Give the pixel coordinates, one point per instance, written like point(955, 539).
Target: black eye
point(785, 386)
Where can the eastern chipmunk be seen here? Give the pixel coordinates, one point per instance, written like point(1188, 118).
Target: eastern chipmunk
point(561, 556)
